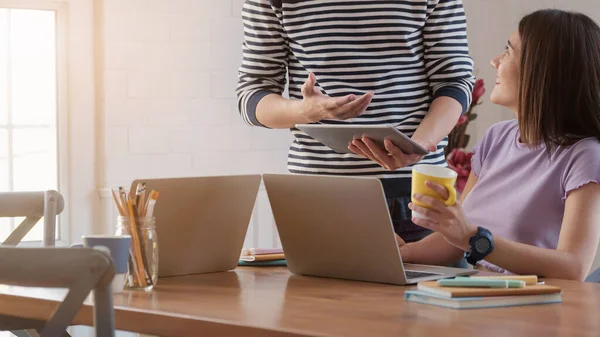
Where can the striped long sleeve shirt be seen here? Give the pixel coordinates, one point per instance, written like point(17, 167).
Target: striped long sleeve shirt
point(408, 52)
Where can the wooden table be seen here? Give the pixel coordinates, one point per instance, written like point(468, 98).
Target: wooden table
point(272, 302)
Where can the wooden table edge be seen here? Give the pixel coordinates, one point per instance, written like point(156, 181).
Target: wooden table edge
point(154, 322)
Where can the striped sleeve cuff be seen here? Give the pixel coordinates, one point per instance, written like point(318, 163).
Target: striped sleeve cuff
point(453, 92)
point(251, 106)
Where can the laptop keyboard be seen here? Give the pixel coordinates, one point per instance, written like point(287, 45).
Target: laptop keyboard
point(418, 274)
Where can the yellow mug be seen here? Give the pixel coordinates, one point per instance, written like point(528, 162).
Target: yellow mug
point(441, 175)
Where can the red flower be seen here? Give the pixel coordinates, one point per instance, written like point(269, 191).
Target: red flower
point(462, 120)
point(478, 90)
point(460, 161)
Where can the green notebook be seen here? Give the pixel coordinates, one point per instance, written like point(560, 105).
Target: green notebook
point(274, 263)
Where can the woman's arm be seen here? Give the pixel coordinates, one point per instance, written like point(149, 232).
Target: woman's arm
point(434, 249)
point(577, 243)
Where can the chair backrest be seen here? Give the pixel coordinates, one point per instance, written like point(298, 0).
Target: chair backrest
point(33, 206)
point(80, 270)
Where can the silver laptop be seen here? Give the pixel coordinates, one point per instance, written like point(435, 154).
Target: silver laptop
point(201, 222)
point(340, 227)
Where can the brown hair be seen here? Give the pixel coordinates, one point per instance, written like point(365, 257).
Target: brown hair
point(559, 96)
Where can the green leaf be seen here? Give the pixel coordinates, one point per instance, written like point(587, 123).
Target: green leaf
point(466, 142)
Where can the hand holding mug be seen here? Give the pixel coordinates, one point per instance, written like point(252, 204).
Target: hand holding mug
point(434, 205)
point(442, 176)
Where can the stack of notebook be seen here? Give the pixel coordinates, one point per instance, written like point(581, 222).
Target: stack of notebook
point(484, 292)
point(262, 257)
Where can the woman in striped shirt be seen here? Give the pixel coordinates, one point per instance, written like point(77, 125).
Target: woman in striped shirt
point(398, 62)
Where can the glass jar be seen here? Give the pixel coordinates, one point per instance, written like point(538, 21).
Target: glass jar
point(142, 268)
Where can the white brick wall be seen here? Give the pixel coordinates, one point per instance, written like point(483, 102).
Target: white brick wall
point(170, 108)
point(170, 74)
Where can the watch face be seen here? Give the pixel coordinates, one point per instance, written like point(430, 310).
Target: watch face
point(482, 245)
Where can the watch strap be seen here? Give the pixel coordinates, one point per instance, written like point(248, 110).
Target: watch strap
point(474, 256)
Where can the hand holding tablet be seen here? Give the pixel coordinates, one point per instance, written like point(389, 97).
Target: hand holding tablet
point(338, 136)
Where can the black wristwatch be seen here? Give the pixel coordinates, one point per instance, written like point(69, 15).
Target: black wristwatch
point(482, 244)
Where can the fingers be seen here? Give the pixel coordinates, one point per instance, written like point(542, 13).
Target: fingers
point(397, 154)
point(356, 150)
point(358, 107)
point(340, 101)
point(429, 146)
point(350, 109)
point(364, 151)
point(392, 149)
point(401, 157)
point(355, 111)
point(392, 158)
point(341, 108)
point(434, 226)
point(435, 205)
point(308, 88)
point(439, 189)
point(381, 155)
point(426, 212)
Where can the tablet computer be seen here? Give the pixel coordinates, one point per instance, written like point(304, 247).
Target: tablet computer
point(338, 136)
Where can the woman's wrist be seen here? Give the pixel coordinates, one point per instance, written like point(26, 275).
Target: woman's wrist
point(464, 243)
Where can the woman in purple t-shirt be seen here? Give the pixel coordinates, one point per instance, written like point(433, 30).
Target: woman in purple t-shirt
point(532, 202)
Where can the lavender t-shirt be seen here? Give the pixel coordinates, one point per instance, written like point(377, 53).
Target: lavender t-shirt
point(520, 193)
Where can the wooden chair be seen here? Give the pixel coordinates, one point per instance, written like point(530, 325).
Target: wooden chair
point(80, 270)
point(33, 206)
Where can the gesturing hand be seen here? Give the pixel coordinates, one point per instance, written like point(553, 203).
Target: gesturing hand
point(316, 106)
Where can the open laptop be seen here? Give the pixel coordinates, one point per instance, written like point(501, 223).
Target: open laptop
point(340, 227)
point(201, 222)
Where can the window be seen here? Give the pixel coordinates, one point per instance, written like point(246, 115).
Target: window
point(30, 104)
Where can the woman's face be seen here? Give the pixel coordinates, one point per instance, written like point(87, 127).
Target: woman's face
point(506, 90)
